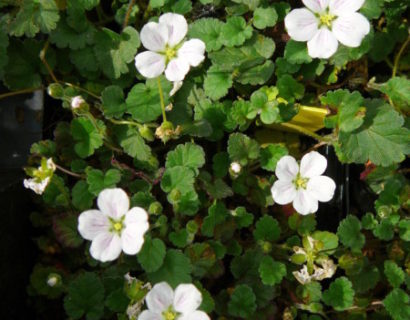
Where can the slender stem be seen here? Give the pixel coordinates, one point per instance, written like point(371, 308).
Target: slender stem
point(161, 97)
point(127, 15)
point(398, 56)
point(79, 88)
point(303, 131)
point(130, 123)
point(44, 60)
point(69, 172)
point(15, 93)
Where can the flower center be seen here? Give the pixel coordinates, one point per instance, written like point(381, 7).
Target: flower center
point(300, 182)
point(170, 53)
point(326, 19)
point(169, 314)
point(117, 225)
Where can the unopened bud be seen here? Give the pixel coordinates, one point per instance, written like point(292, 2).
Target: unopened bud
point(77, 102)
point(53, 279)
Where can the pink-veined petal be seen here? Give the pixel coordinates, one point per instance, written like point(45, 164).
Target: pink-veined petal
point(176, 25)
point(193, 51)
point(351, 29)
point(150, 64)
point(322, 188)
point(154, 36)
point(113, 202)
point(312, 164)
point(287, 168)
point(136, 224)
point(316, 5)
point(301, 24)
point(323, 45)
point(177, 69)
point(106, 247)
point(196, 315)
point(341, 7)
point(283, 192)
point(149, 315)
point(160, 297)
point(91, 223)
point(304, 203)
point(187, 298)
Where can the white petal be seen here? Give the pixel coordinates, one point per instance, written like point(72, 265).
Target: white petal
point(301, 24)
point(177, 27)
point(149, 315)
point(322, 188)
point(304, 203)
point(187, 298)
point(160, 297)
point(283, 192)
point(154, 36)
point(192, 51)
point(351, 29)
point(106, 247)
point(113, 202)
point(196, 315)
point(136, 224)
point(287, 168)
point(316, 5)
point(176, 86)
point(340, 7)
point(150, 64)
point(323, 45)
point(177, 69)
point(312, 164)
point(91, 223)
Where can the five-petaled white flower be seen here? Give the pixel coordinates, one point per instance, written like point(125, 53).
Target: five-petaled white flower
point(167, 50)
point(305, 186)
point(165, 304)
point(113, 228)
point(326, 22)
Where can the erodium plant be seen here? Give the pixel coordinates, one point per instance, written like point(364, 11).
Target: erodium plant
point(186, 177)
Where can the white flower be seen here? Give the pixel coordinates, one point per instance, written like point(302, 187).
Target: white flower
point(236, 167)
point(302, 275)
point(167, 50)
point(305, 186)
point(165, 304)
point(41, 176)
point(36, 185)
point(113, 228)
point(76, 102)
point(327, 271)
point(325, 22)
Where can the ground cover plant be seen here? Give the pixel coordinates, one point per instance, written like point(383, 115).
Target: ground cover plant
point(191, 158)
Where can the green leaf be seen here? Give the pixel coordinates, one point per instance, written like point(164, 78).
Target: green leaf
point(84, 60)
point(243, 218)
point(143, 101)
point(271, 154)
point(152, 254)
point(404, 229)
point(209, 31)
point(87, 136)
point(349, 233)
point(264, 17)
point(382, 139)
point(217, 213)
point(179, 238)
point(267, 229)
point(384, 230)
point(328, 239)
point(243, 302)
point(296, 52)
point(82, 199)
point(289, 88)
point(187, 155)
point(85, 297)
point(113, 102)
point(115, 51)
point(235, 32)
point(132, 143)
point(271, 271)
point(366, 280)
point(117, 301)
point(176, 269)
point(33, 17)
point(340, 294)
point(65, 229)
point(217, 82)
point(64, 36)
point(241, 148)
point(98, 181)
point(220, 164)
point(178, 178)
point(38, 282)
point(256, 75)
point(394, 273)
point(398, 90)
point(397, 303)
point(369, 222)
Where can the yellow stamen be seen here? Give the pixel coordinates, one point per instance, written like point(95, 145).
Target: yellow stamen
point(169, 315)
point(326, 19)
point(117, 226)
point(170, 53)
point(300, 182)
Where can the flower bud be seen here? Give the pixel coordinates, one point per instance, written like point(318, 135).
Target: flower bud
point(155, 208)
point(146, 133)
point(53, 280)
point(55, 90)
point(77, 102)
